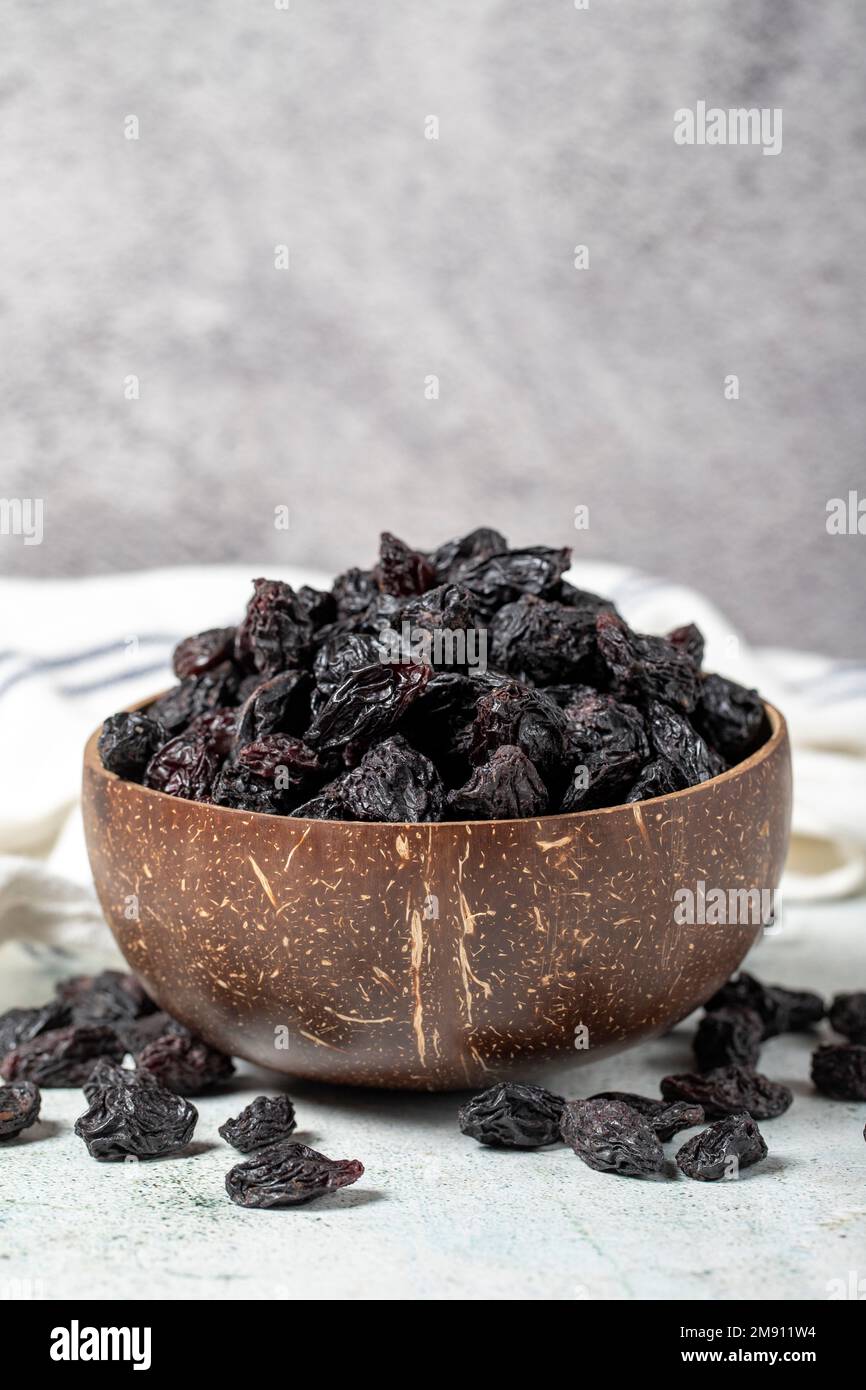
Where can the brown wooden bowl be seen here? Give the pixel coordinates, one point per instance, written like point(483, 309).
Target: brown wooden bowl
point(432, 957)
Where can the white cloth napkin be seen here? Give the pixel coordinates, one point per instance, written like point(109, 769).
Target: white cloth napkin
point(74, 651)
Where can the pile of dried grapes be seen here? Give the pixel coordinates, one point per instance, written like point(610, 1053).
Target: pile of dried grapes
point(81, 1038)
point(83, 1035)
point(471, 682)
point(619, 1132)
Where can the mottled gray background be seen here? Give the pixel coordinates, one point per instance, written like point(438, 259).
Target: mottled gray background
point(454, 257)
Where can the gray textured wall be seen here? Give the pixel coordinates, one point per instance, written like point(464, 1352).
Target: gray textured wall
point(454, 257)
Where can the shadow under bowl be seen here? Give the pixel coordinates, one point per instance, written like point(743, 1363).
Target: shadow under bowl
point(433, 957)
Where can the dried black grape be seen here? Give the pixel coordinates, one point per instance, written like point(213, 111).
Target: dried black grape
point(63, 1057)
point(731, 718)
point(353, 591)
point(287, 1175)
point(195, 655)
point(675, 739)
point(689, 639)
point(601, 779)
point(657, 778)
point(393, 782)
point(543, 641)
point(131, 1115)
point(517, 714)
point(666, 1118)
point(19, 1108)
point(367, 705)
point(218, 726)
point(512, 1115)
point(649, 668)
point(128, 742)
point(342, 654)
point(847, 1015)
point(317, 604)
point(137, 1032)
point(494, 580)
point(402, 571)
point(722, 1150)
point(277, 630)
point(728, 1090)
point(612, 1138)
point(478, 545)
point(21, 1025)
point(186, 766)
point(728, 1037)
point(184, 1063)
point(781, 1010)
point(839, 1070)
point(280, 705)
point(328, 804)
point(266, 1120)
point(110, 997)
point(507, 787)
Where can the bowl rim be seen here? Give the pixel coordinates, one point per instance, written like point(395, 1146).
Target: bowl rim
point(778, 734)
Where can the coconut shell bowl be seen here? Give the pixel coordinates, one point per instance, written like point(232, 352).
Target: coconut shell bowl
point(433, 957)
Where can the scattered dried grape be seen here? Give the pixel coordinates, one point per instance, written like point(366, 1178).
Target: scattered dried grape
point(63, 1057)
point(266, 1120)
point(839, 1070)
point(184, 1063)
point(131, 1115)
point(20, 1025)
point(507, 787)
point(728, 1090)
point(728, 1037)
point(512, 1115)
point(847, 1015)
point(19, 1108)
point(666, 1118)
point(110, 997)
point(612, 1138)
point(287, 1175)
point(128, 742)
point(722, 1150)
point(781, 1010)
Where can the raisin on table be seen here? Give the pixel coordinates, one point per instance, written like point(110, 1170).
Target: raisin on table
point(782, 1010)
point(612, 1138)
point(19, 1108)
point(266, 1120)
point(512, 1115)
point(288, 1175)
point(130, 1115)
point(184, 1063)
point(20, 1025)
point(722, 1150)
point(847, 1015)
point(728, 1037)
point(110, 997)
point(728, 1090)
point(667, 1118)
point(839, 1070)
point(63, 1057)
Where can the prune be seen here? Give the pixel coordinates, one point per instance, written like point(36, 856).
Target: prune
point(130, 1116)
point(517, 714)
point(612, 1138)
point(689, 639)
point(478, 545)
point(839, 1070)
point(19, 1108)
point(128, 742)
point(266, 1120)
point(665, 1118)
point(63, 1057)
point(648, 668)
point(184, 1063)
point(276, 632)
point(657, 778)
point(186, 766)
point(847, 1015)
point(781, 1010)
point(402, 571)
point(107, 998)
point(393, 782)
point(512, 1115)
point(280, 705)
point(507, 787)
point(675, 739)
point(728, 1037)
point(723, 1149)
point(731, 718)
point(21, 1025)
point(728, 1090)
point(543, 641)
point(494, 580)
point(287, 1175)
point(353, 591)
point(367, 705)
point(195, 655)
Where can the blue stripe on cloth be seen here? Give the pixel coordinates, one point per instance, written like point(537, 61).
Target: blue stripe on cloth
point(57, 663)
point(90, 686)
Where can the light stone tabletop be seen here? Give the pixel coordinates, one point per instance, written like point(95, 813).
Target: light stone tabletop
point(436, 1216)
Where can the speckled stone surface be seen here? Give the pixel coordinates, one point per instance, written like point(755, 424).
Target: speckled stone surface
point(438, 1217)
point(431, 956)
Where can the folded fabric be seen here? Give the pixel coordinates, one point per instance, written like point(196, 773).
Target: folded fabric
point(73, 651)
